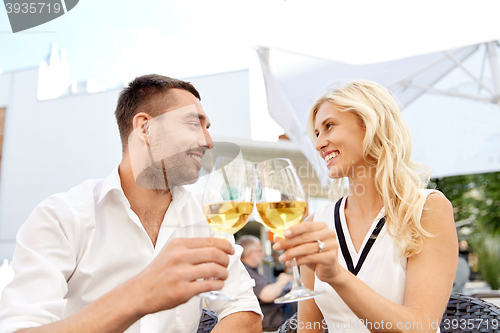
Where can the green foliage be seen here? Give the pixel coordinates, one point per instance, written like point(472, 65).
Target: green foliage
point(475, 197)
point(487, 248)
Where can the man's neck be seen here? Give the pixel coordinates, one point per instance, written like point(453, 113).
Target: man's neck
point(248, 264)
point(149, 205)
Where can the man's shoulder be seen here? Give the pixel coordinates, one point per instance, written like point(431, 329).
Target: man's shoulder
point(82, 194)
point(61, 213)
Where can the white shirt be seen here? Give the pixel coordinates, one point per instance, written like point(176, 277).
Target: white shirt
point(78, 245)
point(384, 270)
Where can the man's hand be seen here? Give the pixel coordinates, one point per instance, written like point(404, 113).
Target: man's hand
point(284, 278)
point(183, 269)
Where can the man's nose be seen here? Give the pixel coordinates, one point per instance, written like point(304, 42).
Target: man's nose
point(208, 139)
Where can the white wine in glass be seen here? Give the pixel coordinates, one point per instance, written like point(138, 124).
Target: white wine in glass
point(228, 202)
point(227, 217)
point(281, 215)
point(281, 204)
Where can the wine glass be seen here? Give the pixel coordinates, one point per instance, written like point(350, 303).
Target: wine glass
point(281, 204)
point(228, 202)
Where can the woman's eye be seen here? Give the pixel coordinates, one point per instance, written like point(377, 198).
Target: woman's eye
point(196, 125)
point(328, 126)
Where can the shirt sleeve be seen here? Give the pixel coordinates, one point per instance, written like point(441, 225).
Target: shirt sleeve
point(43, 262)
point(239, 284)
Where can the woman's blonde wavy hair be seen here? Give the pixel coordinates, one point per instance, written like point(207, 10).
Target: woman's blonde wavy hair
point(388, 142)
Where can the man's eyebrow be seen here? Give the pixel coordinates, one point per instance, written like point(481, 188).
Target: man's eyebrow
point(201, 117)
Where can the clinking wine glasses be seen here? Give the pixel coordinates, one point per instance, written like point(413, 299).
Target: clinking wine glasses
point(228, 202)
point(281, 204)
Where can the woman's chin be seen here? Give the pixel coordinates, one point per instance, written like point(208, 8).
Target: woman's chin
point(333, 173)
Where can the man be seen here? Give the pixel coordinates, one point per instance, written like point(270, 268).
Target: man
point(131, 252)
point(252, 257)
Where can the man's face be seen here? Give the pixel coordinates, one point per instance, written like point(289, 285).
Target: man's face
point(177, 140)
point(257, 256)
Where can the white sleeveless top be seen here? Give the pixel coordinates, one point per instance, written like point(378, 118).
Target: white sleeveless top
point(384, 270)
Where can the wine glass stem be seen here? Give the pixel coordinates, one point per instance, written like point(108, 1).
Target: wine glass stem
point(297, 281)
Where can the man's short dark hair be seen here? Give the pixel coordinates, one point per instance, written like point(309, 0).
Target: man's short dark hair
point(149, 94)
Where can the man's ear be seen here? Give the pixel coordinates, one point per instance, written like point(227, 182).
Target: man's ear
point(140, 125)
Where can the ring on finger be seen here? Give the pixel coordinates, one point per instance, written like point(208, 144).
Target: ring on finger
point(321, 245)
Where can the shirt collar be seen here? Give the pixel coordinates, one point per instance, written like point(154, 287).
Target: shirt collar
point(111, 183)
point(179, 198)
point(179, 194)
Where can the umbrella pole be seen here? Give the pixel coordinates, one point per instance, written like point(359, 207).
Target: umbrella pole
point(492, 54)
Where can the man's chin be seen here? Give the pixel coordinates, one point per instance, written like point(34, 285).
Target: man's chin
point(184, 180)
point(188, 182)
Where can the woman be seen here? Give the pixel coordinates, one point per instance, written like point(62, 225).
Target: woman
point(386, 257)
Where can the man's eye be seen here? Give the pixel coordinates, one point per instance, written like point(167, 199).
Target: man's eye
point(196, 125)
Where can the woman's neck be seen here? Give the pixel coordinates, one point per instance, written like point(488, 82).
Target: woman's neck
point(364, 198)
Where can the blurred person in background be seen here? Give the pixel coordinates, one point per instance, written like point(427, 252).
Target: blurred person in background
point(463, 268)
point(119, 254)
point(252, 257)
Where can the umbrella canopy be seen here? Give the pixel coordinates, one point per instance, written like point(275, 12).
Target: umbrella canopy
point(454, 132)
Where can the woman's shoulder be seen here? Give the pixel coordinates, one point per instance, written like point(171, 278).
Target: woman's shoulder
point(435, 199)
point(437, 208)
point(428, 191)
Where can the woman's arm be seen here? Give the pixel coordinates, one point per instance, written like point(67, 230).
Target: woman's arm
point(308, 311)
point(430, 273)
point(310, 318)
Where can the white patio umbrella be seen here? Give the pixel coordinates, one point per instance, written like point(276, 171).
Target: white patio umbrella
point(454, 132)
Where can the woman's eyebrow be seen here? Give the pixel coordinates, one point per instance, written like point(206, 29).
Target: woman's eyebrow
point(328, 119)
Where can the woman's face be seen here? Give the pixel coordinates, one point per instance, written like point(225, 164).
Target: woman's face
point(340, 142)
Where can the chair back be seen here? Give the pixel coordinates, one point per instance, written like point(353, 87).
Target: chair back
point(463, 314)
point(208, 321)
point(470, 314)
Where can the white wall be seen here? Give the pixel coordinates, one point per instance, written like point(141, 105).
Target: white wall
point(51, 146)
point(226, 100)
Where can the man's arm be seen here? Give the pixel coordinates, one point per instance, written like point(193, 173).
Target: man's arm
point(273, 290)
point(114, 312)
point(244, 322)
point(171, 279)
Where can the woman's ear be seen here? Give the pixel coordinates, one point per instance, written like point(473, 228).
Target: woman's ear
point(140, 126)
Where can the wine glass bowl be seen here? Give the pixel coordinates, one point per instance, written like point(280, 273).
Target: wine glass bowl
point(281, 215)
point(228, 202)
point(227, 217)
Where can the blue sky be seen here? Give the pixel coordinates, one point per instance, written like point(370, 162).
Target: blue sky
point(113, 41)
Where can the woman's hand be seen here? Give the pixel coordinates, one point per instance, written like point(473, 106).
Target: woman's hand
point(301, 242)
